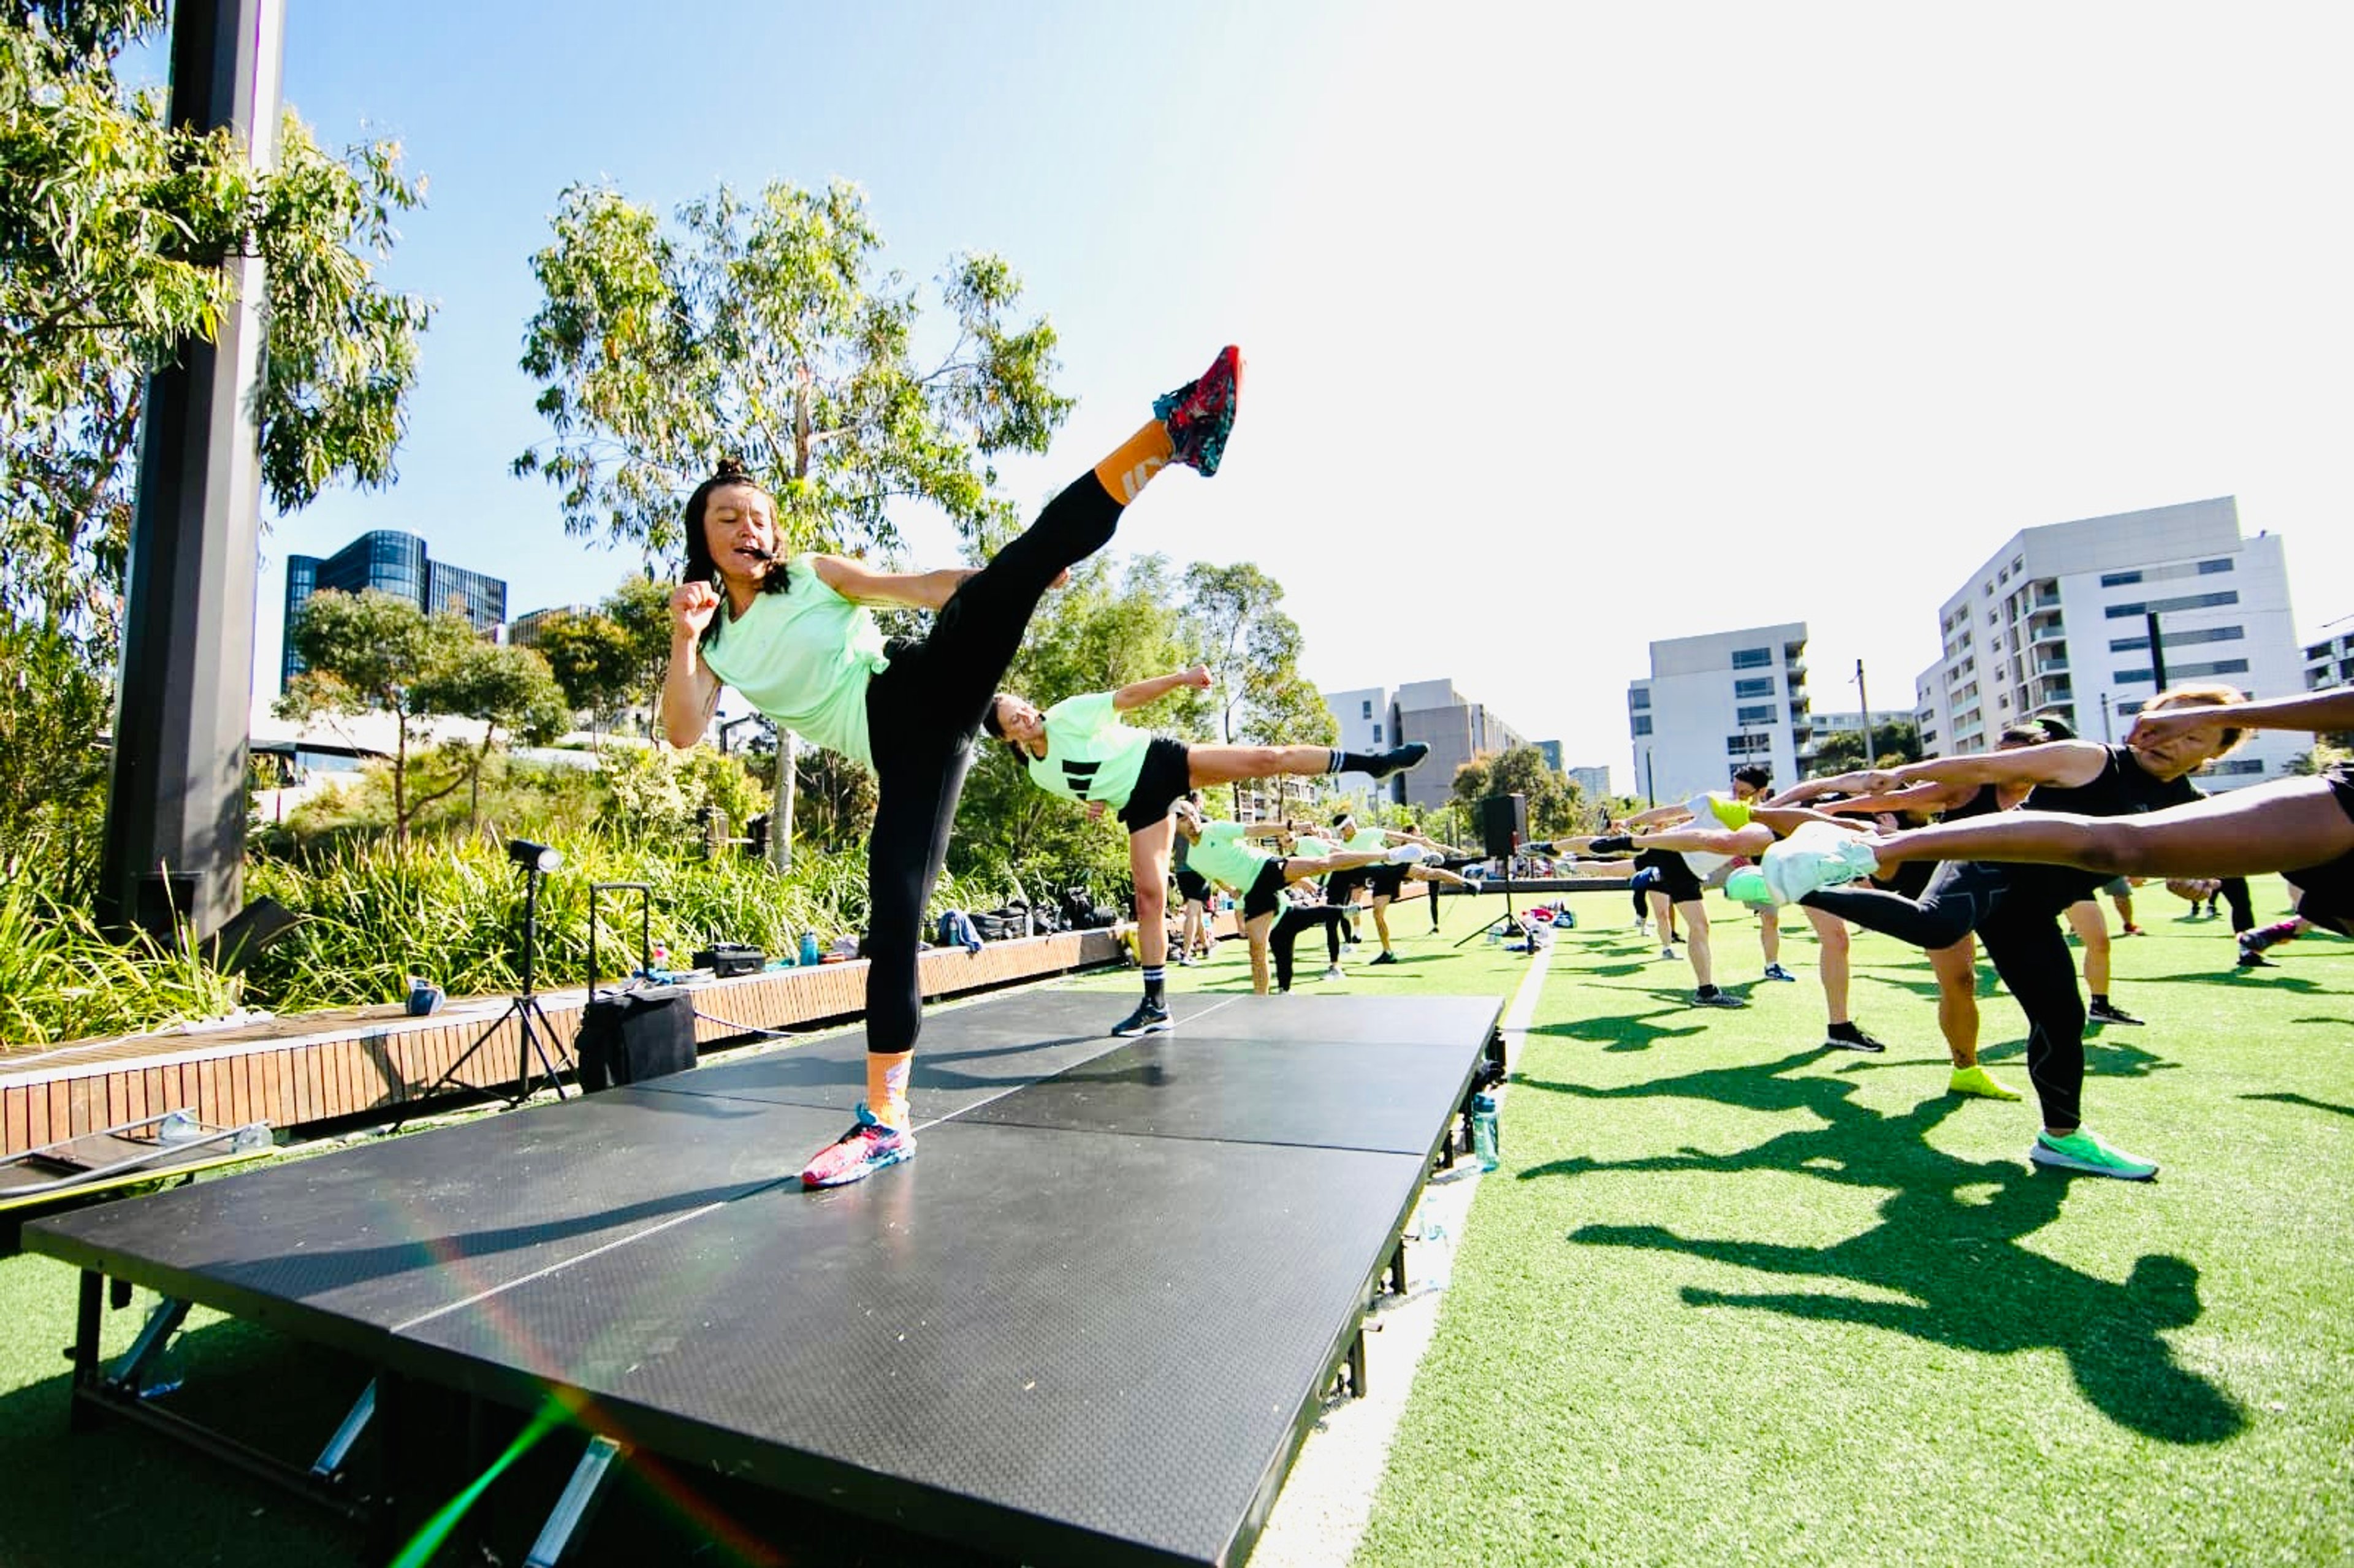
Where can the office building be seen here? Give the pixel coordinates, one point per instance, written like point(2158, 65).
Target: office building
point(524, 630)
point(2329, 661)
point(1720, 702)
point(2058, 620)
point(1456, 729)
point(1594, 781)
point(393, 563)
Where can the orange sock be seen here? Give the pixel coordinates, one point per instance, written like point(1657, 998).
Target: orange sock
point(1128, 470)
point(886, 1087)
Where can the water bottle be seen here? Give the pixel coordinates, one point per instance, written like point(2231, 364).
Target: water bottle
point(178, 1127)
point(1485, 1140)
point(810, 952)
point(658, 962)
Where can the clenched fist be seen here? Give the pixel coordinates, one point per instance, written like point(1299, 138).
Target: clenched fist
point(692, 605)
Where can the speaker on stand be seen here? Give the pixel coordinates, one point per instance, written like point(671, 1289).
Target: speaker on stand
point(1503, 826)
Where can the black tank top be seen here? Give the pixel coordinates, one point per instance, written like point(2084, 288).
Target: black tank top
point(1982, 804)
point(2122, 787)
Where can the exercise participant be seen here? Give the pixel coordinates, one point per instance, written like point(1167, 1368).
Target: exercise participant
point(1223, 852)
point(797, 639)
point(1079, 750)
point(1384, 882)
point(2014, 908)
point(1194, 937)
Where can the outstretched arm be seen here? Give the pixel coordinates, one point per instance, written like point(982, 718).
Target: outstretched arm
point(860, 585)
point(2324, 712)
point(1142, 691)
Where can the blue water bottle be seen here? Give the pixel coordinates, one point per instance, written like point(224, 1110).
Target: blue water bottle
point(1484, 1133)
point(810, 952)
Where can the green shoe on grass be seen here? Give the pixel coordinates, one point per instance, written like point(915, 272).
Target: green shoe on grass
point(2082, 1151)
point(1976, 1080)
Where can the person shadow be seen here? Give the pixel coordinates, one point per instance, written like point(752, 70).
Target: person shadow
point(1951, 1241)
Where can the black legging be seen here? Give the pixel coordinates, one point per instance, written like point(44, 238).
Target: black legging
point(2020, 929)
point(921, 714)
point(2243, 907)
point(1286, 931)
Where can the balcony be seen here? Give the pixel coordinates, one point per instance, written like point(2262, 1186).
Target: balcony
point(2051, 631)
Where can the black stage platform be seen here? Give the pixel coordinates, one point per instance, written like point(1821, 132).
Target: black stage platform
point(1089, 1323)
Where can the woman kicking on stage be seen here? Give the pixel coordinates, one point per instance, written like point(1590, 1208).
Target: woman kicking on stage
point(797, 641)
point(1079, 750)
point(2015, 909)
point(1223, 852)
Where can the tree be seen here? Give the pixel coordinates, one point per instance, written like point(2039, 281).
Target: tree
point(1894, 742)
point(376, 650)
point(115, 227)
point(641, 608)
point(1556, 805)
point(590, 659)
point(768, 330)
point(510, 687)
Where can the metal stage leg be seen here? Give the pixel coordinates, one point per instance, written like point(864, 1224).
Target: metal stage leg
point(1357, 1364)
point(572, 1509)
point(329, 1462)
point(79, 1417)
point(1397, 1269)
point(161, 1324)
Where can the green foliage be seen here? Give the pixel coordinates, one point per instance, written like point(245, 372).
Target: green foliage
point(1556, 807)
point(61, 979)
point(1894, 742)
point(123, 239)
point(588, 655)
point(771, 331)
point(52, 771)
point(1234, 617)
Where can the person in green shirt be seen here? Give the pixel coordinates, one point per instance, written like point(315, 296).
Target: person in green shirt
point(792, 632)
point(1080, 750)
point(1384, 882)
point(1225, 854)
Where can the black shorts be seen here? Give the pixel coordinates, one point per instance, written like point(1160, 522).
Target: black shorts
point(1385, 880)
point(1160, 783)
point(1266, 895)
point(1676, 879)
point(1340, 886)
point(2326, 892)
point(1192, 885)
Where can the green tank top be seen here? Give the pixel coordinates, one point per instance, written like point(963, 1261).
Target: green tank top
point(803, 657)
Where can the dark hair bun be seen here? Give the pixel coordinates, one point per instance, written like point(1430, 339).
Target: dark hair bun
point(731, 471)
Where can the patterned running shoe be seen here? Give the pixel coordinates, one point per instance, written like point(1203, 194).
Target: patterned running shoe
point(1200, 414)
point(866, 1148)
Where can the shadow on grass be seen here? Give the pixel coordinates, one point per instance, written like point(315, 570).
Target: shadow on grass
point(2294, 1099)
point(1633, 1031)
point(1957, 1258)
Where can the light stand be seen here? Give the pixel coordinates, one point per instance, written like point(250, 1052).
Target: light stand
point(536, 860)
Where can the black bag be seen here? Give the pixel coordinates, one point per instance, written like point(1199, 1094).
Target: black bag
point(628, 1036)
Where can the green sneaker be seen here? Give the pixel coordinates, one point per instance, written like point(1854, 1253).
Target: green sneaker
point(2081, 1150)
point(1976, 1080)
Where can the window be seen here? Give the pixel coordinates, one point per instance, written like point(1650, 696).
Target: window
point(2208, 568)
point(1368, 709)
point(1748, 745)
point(1755, 715)
point(1753, 688)
point(2119, 579)
point(1639, 698)
point(1642, 724)
point(2168, 605)
point(1752, 658)
point(2179, 639)
point(1378, 735)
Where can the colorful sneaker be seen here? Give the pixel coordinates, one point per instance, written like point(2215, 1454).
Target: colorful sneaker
point(866, 1148)
point(1398, 758)
point(1385, 959)
point(1848, 1037)
point(1710, 996)
point(1200, 414)
point(1150, 1017)
point(1776, 971)
point(2110, 1013)
point(2081, 1150)
point(1976, 1080)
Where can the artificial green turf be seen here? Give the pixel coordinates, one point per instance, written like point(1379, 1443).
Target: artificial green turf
point(1733, 1297)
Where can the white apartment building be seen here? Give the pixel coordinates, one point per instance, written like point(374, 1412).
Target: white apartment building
point(1368, 720)
point(2056, 622)
point(2329, 661)
point(1716, 703)
point(1594, 781)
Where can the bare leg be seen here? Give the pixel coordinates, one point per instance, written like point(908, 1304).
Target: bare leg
point(2085, 919)
point(1769, 935)
point(1695, 916)
point(1831, 931)
point(1663, 915)
point(1257, 930)
point(1147, 862)
point(2285, 825)
point(1382, 919)
point(1956, 968)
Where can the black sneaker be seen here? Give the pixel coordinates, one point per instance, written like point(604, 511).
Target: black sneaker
point(1150, 1017)
point(1398, 758)
point(1713, 997)
point(1385, 959)
point(2252, 960)
point(1847, 1037)
point(2110, 1013)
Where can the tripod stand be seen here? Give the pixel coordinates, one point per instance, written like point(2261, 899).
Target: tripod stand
point(1507, 917)
point(532, 1024)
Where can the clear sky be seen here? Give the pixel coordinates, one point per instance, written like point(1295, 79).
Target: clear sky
point(1569, 326)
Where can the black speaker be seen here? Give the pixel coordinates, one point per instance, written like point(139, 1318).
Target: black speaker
point(628, 1036)
point(1503, 824)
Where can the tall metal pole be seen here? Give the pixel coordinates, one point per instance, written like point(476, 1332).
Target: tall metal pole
point(1650, 779)
point(1864, 694)
point(175, 813)
point(2156, 653)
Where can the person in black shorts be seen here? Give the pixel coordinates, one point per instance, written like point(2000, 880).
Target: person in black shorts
point(1384, 882)
point(1194, 936)
point(1080, 750)
point(1224, 852)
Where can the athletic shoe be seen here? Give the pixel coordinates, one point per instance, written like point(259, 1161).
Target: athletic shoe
point(1668, 954)
point(1713, 997)
point(2110, 1013)
point(1612, 843)
point(1186, 961)
point(1854, 1039)
point(1977, 1081)
point(866, 1148)
point(1201, 413)
point(1642, 927)
point(2252, 960)
point(1398, 758)
point(1776, 971)
point(1411, 855)
point(2081, 1150)
point(1335, 972)
point(1385, 959)
point(1150, 1017)
point(2133, 931)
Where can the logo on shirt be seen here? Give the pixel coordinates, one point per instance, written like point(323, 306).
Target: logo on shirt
point(1079, 776)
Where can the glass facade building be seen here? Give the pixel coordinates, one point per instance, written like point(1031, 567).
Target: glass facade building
point(393, 563)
